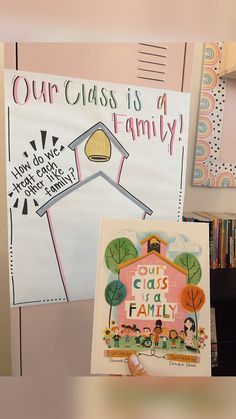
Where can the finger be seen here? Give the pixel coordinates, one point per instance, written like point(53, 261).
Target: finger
point(135, 367)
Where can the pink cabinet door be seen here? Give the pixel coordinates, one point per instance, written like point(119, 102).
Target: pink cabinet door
point(163, 66)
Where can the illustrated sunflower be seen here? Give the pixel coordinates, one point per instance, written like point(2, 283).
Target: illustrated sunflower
point(107, 331)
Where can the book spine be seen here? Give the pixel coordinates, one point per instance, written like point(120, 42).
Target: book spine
point(211, 243)
point(227, 262)
point(231, 243)
point(216, 243)
point(225, 244)
point(234, 238)
point(220, 244)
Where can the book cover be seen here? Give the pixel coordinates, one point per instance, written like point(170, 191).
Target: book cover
point(152, 298)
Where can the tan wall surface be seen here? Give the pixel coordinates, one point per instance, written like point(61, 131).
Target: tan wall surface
point(199, 197)
point(5, 363)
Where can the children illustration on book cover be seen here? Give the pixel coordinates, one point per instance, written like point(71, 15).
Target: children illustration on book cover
point(155, 299)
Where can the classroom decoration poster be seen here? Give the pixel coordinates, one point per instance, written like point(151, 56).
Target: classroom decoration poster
point(79, 150)
point(211, 169)
point(152, 298)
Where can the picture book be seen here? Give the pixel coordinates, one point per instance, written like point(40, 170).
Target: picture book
point(152, 298)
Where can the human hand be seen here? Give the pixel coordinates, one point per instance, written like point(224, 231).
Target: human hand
point(135, 367)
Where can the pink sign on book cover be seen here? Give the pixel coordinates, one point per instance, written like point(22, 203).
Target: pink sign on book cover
point(152, 298)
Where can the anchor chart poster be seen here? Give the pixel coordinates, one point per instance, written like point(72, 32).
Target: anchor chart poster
point(152, 298)
point(79, 150)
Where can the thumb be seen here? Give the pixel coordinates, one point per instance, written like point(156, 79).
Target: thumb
point(135, 367)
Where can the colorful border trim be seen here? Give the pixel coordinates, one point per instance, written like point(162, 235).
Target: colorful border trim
point(208, 169)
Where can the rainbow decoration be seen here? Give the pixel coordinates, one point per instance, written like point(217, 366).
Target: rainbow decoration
point(200, 174)
point(211, 54)
point(209, 78)
point(204, 127)
point(208, 169)
point(210, 182)
point(207, 103)
point(202, 151)
point(225, 180)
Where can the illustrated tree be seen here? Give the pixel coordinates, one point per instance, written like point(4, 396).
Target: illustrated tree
point(192, 300)
point(191, 264)
point(118, 251)
point(115, 293)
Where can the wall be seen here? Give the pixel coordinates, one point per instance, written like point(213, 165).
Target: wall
point(5, 362)
point(197, 197)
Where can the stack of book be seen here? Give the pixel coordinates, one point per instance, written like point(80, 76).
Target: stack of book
point(222, 236)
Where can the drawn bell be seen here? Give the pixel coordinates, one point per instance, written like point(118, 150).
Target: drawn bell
point(98, 147)
point(153, 241)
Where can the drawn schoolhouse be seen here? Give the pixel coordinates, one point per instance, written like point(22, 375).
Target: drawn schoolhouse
point(96, 195)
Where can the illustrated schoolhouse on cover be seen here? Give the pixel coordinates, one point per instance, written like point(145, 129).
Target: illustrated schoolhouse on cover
point(152, 298)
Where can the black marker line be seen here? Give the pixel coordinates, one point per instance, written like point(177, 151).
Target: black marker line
point(28, 302)
point(11, 228)
point(181, 123)
point(11, 240)
point(25, 207)
point(33, 145)
point(16, 55)
point(54, 140)
point(13, 290)
point(16, 203)
point(182, 163)
point(43, 138)
point(35, 203)
point(184, 61)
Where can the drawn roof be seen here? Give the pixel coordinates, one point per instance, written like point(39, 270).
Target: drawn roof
point(41, 211)
point(156, 237)
point(129, 262)
point(91, 130)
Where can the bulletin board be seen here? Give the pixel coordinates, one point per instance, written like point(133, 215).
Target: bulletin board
point(215, 154)
point(64, 330)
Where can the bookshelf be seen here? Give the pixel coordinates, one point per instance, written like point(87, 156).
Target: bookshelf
point(223, 299)
point(222, 235)
point(223, 284)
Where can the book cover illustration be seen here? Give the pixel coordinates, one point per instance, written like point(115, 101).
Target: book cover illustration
point(152, 298)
